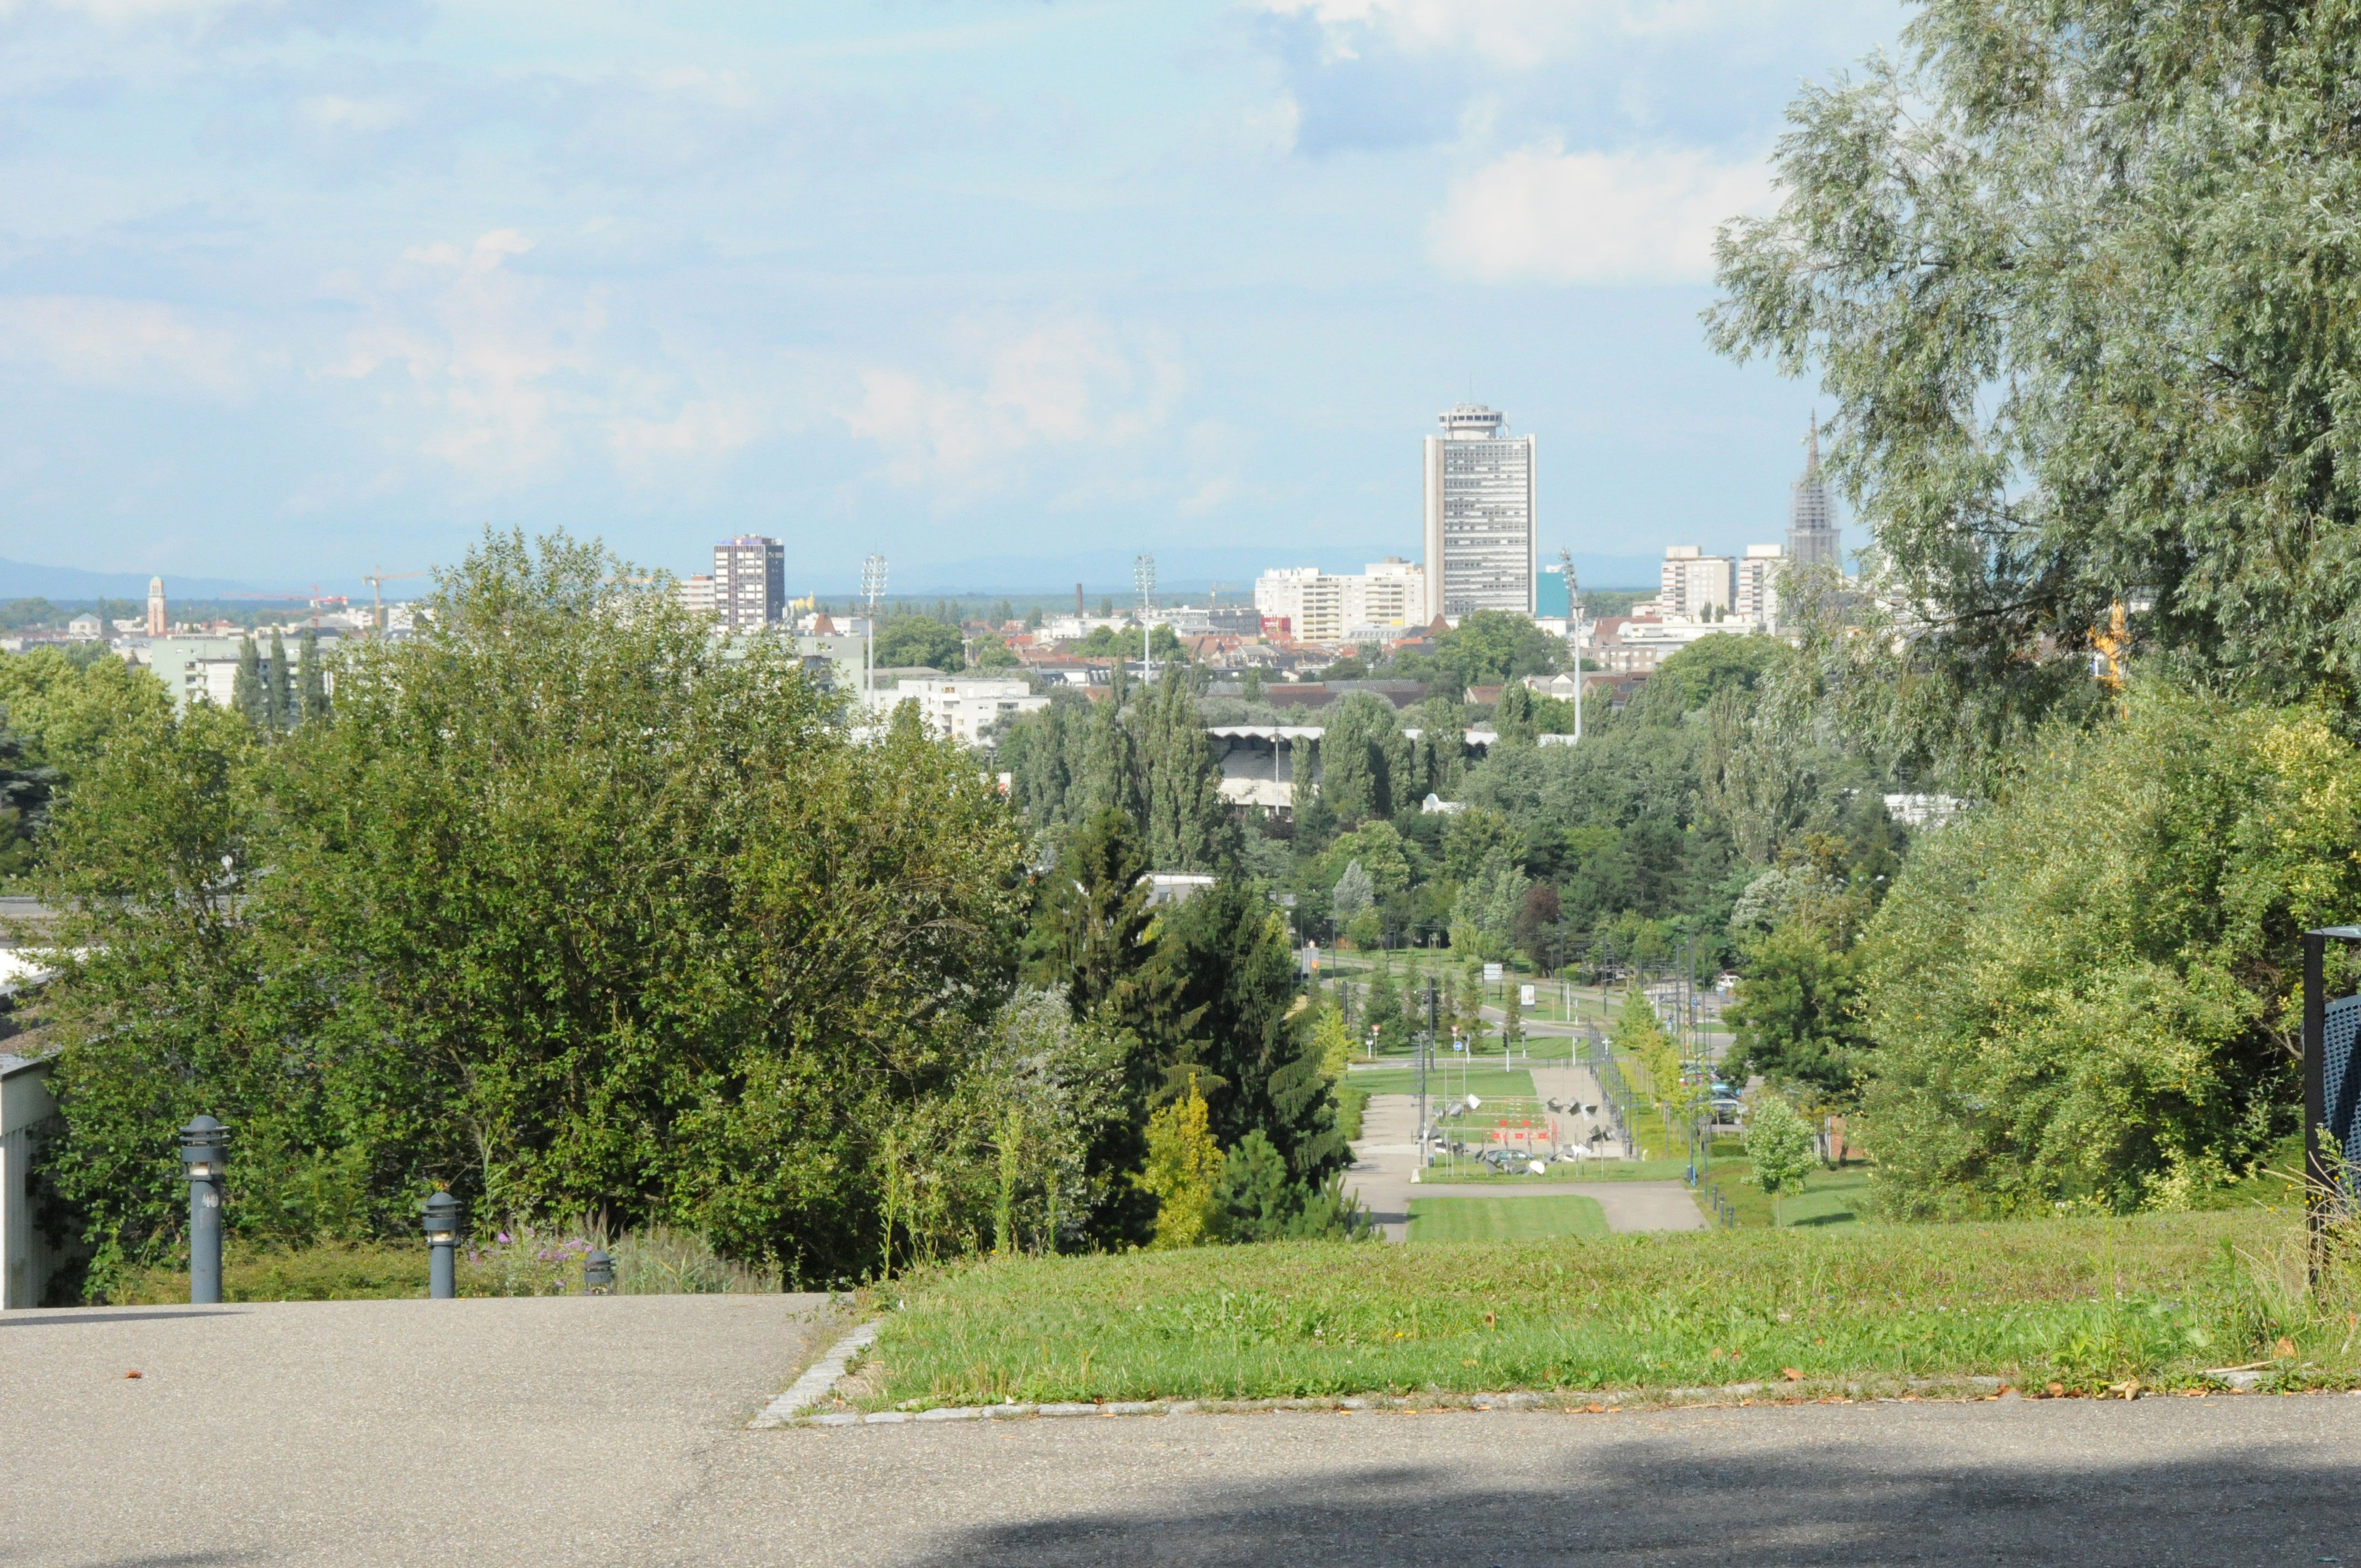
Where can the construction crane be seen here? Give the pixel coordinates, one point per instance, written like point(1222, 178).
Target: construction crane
point(1215, 601)
point(376, 596)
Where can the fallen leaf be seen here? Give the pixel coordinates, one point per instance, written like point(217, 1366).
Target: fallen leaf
point(1716, 1354)
point(2056, 1390)
point(133, 1373)
point(2285, 1349)
point(1792, 1374)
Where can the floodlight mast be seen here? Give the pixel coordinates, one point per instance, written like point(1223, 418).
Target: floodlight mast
point(1143, 578)
point(873, 588)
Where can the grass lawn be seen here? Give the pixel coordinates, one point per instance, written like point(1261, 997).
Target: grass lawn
point(1504, 1219)
point(1829, 1197)
point(1485, 1083)
point(2086, 1303)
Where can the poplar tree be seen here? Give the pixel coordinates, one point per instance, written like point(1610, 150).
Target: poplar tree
point(246, 694)
point(312, 695)
point(279, 692)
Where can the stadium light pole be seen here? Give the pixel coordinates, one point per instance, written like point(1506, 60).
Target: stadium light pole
point(873, 588)
point(1143, 578)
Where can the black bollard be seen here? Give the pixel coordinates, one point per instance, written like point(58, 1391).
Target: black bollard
point(442, 1243)
point(202, 1143)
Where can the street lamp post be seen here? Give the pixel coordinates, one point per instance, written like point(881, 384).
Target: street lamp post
point(442, 1243)
point(202, 1144)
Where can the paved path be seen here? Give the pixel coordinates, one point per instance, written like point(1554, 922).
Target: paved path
point(494, 1432)
point(1387, 1149)
point(610, 1434)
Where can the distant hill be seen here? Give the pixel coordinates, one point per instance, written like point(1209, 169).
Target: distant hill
point(22, 579)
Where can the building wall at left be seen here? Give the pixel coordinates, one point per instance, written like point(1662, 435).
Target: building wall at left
point(26, 1262)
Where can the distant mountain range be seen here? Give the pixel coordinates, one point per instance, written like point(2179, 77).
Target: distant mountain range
point(22, 579)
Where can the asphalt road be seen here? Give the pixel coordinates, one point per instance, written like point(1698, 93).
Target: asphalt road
point(612, 1432)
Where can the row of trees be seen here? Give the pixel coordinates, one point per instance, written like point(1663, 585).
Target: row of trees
point(561, 909)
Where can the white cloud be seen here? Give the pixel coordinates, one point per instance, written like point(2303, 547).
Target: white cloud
point(135, 346)
point(1523, 33)
point(1062, 383)
point(1543, 214)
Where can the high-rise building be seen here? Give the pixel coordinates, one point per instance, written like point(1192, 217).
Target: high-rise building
point(1758, 585)
point(1813, 537)
point(1479, 515)
point(696, 594)
point(158, 626)
point(749, 583)
point(1390, 595)
point(1694, 585)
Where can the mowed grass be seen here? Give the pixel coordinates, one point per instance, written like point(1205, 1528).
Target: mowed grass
point(2087, 1303)
point(1487, 1083)
point(1828, 1197)
point(1504, 1219)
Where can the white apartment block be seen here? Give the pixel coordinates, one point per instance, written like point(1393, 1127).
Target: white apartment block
point(963, 707)
point(1695, 586)
point(1388, 597)
point(1758, 586)
point(1479, 515)
point(696, 594)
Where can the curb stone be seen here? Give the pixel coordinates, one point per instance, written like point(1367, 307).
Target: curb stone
point(818, 1378)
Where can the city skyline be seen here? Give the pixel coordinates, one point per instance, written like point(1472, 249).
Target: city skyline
point(294, 294)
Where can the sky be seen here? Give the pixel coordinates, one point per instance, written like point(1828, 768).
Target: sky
point(1004, 291)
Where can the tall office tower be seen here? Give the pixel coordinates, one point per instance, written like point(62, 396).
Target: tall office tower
point(749, 583)
point(1813, 537)
point(1479, 515)
point(157, 624)
point(1694, 585)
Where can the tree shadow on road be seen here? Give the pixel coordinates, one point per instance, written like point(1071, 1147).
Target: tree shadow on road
point(1663, 1503)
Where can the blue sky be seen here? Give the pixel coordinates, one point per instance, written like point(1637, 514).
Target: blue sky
point(1006, 291)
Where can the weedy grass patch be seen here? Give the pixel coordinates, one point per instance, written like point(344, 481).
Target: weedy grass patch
point(2085, 1304)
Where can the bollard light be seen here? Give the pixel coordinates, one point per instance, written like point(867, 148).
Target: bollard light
point(202, 1144)
point(597, 1274)
point(442, 1241)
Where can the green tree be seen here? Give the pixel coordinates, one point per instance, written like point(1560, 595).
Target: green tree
point(1363, 753)
point(1492, 647)
point(1779, 1148)
point(1798, 1014)
point(247, 693)
point(2082, 993)
point(279, 692)
point(994, 653)
point(561, 909)
point(907, 642)
point(312, 695)
point(1238, 1020)
point(2074, 276)
point(1189, 826)
point(1250, 682)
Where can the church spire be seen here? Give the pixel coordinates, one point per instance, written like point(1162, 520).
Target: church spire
point(1812, 448)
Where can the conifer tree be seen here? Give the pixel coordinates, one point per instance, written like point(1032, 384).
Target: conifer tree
point(279, 693)
point(246, 694)
point(312, 697)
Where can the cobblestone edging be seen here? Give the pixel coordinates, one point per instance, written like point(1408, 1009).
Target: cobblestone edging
point(820, 1378)
point(1569, 1404)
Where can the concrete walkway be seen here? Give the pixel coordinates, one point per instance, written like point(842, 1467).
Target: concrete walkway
point(1387, 1151)
point(556, 1430)
point(612, 1435)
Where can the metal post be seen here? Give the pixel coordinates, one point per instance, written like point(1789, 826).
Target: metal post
point(442, 1244)
point(1426, 1050)
point(201, 1144)
point(2319, 1181)
point(598, 1273)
